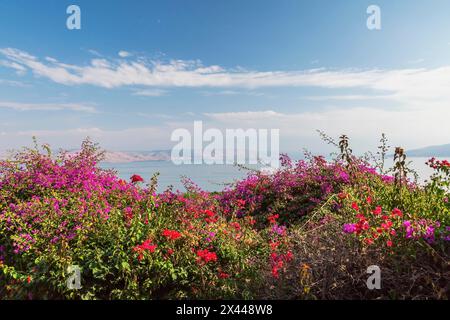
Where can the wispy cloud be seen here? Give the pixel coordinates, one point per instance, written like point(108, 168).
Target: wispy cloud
point(419, 87)
point(354, 97)
point(362, 124)
point(20, 69)
point(150, 92)
point(47, 106)
point(232, 93)
point(404, 85)
point(12, 83)
point(297, 129)
point(124, 54)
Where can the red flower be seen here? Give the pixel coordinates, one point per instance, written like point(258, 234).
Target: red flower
point(210, 216)
point(136, 178)
point(377, 211)
point(205, 256)
point(389, 243)
point(355, 206)
point(369, 200)
point(171, 234)
point(397, 212)
point(209, 213)
point(236, 225)
point(275, 272)
point(365, 225)
point(289, 256)
point(240, 203)
point(146, 245)
point(223, 275)
point(274, 245)
point(128, 213)
point(273, 218)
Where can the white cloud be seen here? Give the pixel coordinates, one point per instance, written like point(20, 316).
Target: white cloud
point(364, 125)
point(411, 86)
point(94, 52)
point(350, 97)
point(409, 128)
point(232, 93)
point(124, 54)
point(20, 69)
point(150, 92)
point(47, 106)
point(415, 101)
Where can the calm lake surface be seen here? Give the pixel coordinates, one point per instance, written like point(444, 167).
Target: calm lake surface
point(209, 177)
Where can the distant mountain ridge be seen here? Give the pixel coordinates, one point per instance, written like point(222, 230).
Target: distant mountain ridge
point(431, 151)
point(135, 156)
point(165, 155)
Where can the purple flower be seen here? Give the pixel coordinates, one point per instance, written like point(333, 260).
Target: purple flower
point(278, 229)
point(349, 228)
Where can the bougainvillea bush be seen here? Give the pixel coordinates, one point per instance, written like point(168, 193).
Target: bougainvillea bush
point(307, 231)
point(129, 242)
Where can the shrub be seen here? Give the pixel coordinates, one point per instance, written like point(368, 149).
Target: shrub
point(307, 231)
point(129, 243)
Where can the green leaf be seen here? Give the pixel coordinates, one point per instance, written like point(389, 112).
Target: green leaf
point(126, 265)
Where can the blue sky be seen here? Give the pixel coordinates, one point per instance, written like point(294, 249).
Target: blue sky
point(137, 70)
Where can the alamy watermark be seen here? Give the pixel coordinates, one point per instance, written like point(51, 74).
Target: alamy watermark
point(374, 19)
point(73, 22)
point(374, 281)
point(236, 146)
point(74, 280)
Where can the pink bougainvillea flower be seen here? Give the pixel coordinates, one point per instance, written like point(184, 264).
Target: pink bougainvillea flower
point(349, 228)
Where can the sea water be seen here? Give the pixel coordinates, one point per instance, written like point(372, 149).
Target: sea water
point(211, 177)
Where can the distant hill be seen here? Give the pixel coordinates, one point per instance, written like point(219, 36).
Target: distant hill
point(134, 156)
point(432, 151)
